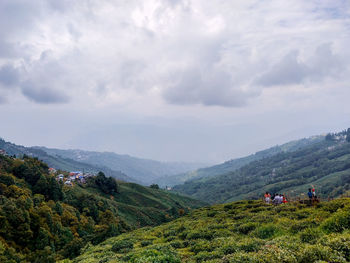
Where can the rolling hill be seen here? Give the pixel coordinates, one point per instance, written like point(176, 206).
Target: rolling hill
point(325, 164)
point(42, 220)
point(142, 170)
point(235, 164)
point(244, 231)
point(61, 163)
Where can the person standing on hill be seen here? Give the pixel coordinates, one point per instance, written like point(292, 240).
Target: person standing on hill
point(310, 195)
point(313, 191)
point(267, 198)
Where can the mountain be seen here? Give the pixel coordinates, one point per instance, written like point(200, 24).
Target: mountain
point(244, 231)
point(235, 164)
point(142, 170)
point(44, 220)
point(61, 163)
point(325, 164)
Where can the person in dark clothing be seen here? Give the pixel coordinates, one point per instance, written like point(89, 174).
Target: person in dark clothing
point(310, 194)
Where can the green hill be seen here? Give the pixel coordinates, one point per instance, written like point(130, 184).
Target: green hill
point(61, 163)
point(244, 231)
point(325, 164)
point(235, 164)
point(42, 220)
point(143, 170)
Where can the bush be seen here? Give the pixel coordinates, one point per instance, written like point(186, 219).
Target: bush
point(122, 246)
point(266, 231)
point(155, 256)
point(246, 228)
point(313, 253)
point(337, 223)
point(341, 244)
point(310, 235)
point(145, 243)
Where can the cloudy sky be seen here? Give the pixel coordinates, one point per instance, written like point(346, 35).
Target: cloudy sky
point(173, 80)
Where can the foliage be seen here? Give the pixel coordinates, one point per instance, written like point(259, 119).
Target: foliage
point(42, 220)
point(244, 231)
point(325, 164)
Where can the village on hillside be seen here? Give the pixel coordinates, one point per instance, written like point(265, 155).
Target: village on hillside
point(69, 179)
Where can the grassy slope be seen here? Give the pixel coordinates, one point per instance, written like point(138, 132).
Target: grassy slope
point(143, 170)
point(245, 231)
point(326, 168)
point(235, 164)
point(65, 164)
point(142, 206)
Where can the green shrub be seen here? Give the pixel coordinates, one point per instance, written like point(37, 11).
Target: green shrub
point(246, 228)
point(310, 235)
point(250, 245)
point(145, 243)
point(177, 244)
point(202, 233)
point(266, 231)
point(341, 244)
point(122, 246)
point(337, 223)
point(155, 256)
point(313, 253)
point(206, 255)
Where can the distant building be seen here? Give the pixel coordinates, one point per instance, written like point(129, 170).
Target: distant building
point(52, 170)
point(60, 177)
point(68, 183)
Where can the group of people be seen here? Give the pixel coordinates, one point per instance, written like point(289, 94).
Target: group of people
point(276, 199)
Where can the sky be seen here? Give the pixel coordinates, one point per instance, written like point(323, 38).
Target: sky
point(173, 80)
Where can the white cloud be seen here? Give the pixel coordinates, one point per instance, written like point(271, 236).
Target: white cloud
point(217, 60)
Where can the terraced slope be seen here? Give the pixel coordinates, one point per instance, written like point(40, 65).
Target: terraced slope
point(244, 231)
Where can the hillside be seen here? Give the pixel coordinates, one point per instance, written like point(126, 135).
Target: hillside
point(61, 163)
point(143, 170)
point(244, 231)
point(325, 164)
point(235, 164)
point(42, 220)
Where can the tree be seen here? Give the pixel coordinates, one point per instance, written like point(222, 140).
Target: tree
point(348, 135)
point(106, 185)
point(154, 186)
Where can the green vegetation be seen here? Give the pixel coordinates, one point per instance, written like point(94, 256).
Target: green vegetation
point(42, 220)
point(325, 164)
point(235, 164)
point(61, 163)
point(244, 231)
point(142, 170)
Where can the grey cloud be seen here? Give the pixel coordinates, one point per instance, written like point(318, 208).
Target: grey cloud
point(287, 71)
point(9, 76)
point(322, 64)
point(2, 100)
point(206, 88)
point(43, 94)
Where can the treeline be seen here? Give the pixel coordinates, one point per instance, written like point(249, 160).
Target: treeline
point(325, 164)
point(40, 222)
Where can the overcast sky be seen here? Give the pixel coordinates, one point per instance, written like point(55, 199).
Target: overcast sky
point(173, 80)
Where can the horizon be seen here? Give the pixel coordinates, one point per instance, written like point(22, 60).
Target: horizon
point(173, 80)
point(202, 163)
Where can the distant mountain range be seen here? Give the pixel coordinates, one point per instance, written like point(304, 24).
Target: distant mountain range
point(235, 164)
point(291, 169)
point(122, 167)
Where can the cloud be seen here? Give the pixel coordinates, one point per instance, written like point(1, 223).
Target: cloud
point(9, 76)
point(2, 100)
point(43, 94)
point(209, 88)
point(177, 52)
point(291, 69)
